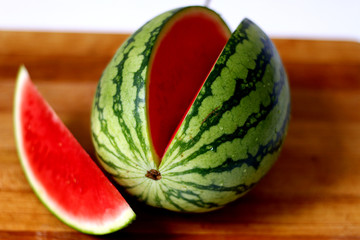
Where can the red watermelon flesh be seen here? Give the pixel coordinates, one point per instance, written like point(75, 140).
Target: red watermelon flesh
point(184, 55)
point(61, 173)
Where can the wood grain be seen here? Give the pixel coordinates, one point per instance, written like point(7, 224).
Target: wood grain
point(312, 192)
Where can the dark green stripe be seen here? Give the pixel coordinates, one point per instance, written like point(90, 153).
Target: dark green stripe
point(252, 121)
point(139, 83)
point(196, 199)
point(252, 160)
point(238, 189)
point(104, 129)
point(158, 200)
point(113, 166)
point(168, 193)
point(242, 89)
point(118, 107)
point(237, 38)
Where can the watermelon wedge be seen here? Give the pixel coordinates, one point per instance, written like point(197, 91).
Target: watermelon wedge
point(59, 170)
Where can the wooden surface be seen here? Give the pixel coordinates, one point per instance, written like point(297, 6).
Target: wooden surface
point(312, 192)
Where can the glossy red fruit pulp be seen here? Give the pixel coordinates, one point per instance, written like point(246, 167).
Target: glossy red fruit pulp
point(60, 166)
point(184, 55)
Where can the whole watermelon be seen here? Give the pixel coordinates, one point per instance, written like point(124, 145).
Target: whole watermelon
point(188, 116)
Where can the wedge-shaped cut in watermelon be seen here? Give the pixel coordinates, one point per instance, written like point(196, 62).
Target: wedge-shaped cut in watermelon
point(59, 170)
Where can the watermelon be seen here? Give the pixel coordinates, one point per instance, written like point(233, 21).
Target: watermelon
point(59, 170)
point(188, 116)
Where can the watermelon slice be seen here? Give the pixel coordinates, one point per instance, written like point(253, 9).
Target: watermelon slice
point(61, 173)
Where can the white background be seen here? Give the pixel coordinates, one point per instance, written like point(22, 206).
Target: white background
point(318, 19)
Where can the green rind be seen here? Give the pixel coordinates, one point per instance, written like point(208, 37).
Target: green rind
point(126, 218)
point(234, 130)
point(119, 123)
point(229, 139)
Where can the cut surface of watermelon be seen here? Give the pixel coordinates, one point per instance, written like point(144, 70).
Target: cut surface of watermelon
point(61, 173)
point(183, 55)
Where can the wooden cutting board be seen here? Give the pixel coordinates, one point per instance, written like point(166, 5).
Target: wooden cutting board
point(312, 192)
